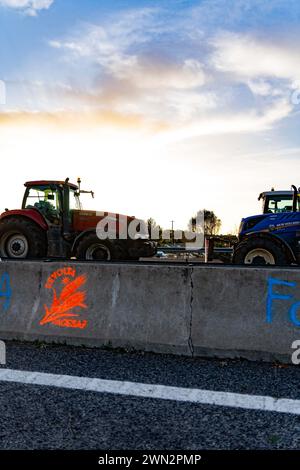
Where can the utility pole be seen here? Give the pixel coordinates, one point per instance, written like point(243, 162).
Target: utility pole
point(172, 222)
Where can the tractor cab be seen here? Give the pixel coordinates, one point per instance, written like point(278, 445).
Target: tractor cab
point(274, 202)
point(54, 200)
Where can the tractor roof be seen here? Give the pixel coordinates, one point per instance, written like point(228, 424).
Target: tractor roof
point(275, 193)
point(49, 182)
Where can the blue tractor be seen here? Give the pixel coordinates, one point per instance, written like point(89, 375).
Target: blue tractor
point(274, 236)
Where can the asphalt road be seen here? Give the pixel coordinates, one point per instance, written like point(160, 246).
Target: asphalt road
point(45, 417)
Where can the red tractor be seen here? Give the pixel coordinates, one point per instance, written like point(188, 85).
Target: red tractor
point(52, 223)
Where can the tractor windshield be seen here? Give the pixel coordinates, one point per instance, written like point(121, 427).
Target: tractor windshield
point(75, 203)
point(45, 199)
point(279, 203)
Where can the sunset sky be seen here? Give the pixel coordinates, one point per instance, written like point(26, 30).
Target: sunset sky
point(161, 107)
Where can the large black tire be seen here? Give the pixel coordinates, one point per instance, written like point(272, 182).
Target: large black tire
point(260, 251)
point(21, 238)
point(93, 249)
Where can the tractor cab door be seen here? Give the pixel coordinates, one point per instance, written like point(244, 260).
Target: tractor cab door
point(74, 205)
point(47, 200)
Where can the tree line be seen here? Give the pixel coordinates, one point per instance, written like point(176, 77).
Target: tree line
point(212, 225)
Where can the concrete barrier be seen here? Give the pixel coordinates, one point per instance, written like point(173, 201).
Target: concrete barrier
point(218, 311)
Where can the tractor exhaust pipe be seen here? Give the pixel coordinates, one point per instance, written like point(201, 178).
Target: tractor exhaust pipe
point(295, 198)
point(66, 210)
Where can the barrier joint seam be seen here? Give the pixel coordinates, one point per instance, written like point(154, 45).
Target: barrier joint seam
point(190, 340)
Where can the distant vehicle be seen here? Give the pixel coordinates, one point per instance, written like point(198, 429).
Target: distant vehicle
point(274, 236)
point(52, 223)
point(161, 254)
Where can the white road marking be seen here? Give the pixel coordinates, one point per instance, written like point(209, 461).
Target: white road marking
point(161, 392)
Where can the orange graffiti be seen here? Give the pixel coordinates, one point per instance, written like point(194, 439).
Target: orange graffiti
point(60, 313)
point(57, 274)
point(71, 323)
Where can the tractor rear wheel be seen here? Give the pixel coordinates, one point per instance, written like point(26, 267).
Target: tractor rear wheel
point(259, 252)
point(21, 238)
point(93, 249)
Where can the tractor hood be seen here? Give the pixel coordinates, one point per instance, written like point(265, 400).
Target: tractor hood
point(113, 223)
point(250, 223)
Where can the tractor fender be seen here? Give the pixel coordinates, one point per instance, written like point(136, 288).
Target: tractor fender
point(80, 237)
point(275, 238)
point(31, 214)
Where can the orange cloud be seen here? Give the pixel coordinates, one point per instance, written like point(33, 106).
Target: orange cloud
point(82, 120)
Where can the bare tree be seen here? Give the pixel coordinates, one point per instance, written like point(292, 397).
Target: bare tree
point(154, 229)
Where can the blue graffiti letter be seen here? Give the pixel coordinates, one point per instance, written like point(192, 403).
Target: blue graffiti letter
point(5, 290)
point(272, 295)
point(293, 313)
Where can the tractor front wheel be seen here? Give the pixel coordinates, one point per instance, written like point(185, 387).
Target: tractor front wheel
point(21, 238)
point(91, 248)
point(259, 252)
